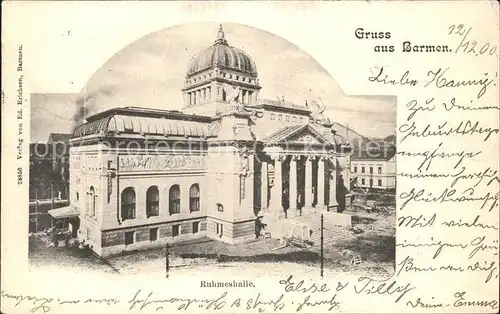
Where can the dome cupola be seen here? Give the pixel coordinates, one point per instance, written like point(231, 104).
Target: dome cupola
point(218, 75)
point(221, 55)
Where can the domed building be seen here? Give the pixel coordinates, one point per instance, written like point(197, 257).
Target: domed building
point(223, 167)
point(214, 73)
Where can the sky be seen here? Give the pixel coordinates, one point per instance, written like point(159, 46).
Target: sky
point(150, 72)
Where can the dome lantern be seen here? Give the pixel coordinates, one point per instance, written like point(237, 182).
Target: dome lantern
point(221, 39)
point(216, 75)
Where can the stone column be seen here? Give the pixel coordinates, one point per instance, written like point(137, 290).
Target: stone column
point(292, 211)
point(209, 93)
point(248, 201)
point(332, 177)
point(308, 182)
point(198, 98)
point(321, 184)
point(277, 188)
point(264, 186)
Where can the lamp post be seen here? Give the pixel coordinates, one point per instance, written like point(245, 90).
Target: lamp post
point(167, 264)
point(321, 248)
point(36, 211)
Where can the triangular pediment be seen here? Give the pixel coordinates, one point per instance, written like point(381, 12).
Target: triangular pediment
point(298, 134)
point(307, 137)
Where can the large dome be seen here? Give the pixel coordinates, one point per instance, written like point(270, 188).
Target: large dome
point(224, 56)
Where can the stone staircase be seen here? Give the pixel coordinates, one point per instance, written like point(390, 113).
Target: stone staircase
point(308, 226)
point(331, 233)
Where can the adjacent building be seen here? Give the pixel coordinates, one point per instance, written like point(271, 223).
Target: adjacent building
point(374, 169)
point(143, 177)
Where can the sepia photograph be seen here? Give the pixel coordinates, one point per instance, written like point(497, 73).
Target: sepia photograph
point(250, 157)
point(212, 145)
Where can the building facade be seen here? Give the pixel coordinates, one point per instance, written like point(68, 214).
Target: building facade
point(144, 177)
point(375, 170)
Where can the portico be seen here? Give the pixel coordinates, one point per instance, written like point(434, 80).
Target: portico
point(298, 172)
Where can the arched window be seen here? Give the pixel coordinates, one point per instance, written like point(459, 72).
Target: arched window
point(220, 208)
point(174, 196)
point(128, 203)
point(152, 202)
point(194, 198)
point(92, 201)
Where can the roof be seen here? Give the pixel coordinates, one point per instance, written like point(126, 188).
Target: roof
point(282, 105)
point(64, 212)
point(222, 55)
point(58, 137)
point(147, 112)
point(290, 133)
point(132, 120)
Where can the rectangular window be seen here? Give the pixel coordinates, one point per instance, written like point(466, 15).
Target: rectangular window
point(362, 169)
point(129, 237)
point(379, 170)
point(287, 118)
point(110, 164)
point(196, 226)
point(379, 182)
point(301, 119)
point(355, 169)
point(176, 230)
point(280, 117)
point(272, 116)
point(219, 228)
point(153, 234)
point(77, 196)
point(294, 119)
point(371, 169)
point(362, 181)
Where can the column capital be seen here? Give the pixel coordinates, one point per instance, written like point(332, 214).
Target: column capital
point(325, 157)
point(296, 157)
point(278, 157)
point(311, 158)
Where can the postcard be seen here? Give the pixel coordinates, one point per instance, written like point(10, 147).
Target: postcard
point(250, 157)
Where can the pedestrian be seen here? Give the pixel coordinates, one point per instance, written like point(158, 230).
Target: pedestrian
point(258, 226)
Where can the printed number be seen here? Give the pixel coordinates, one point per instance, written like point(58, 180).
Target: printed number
point(19, 176)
